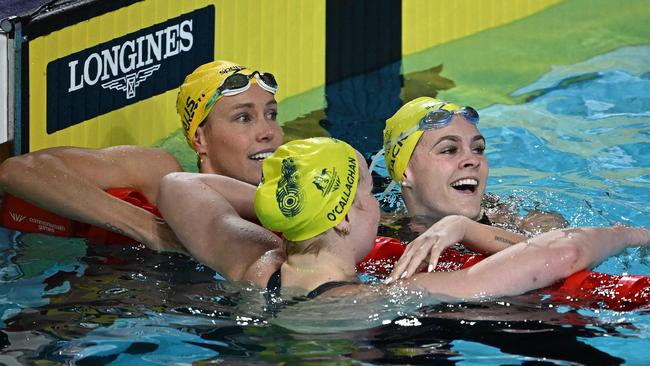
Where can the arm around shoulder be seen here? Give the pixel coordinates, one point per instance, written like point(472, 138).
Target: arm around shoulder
point(533, 264)
point(447, 232)
point(205, 211)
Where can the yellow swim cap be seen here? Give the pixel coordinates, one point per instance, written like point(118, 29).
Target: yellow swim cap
point(197, 89)
point(401, 135)
point(308, 187)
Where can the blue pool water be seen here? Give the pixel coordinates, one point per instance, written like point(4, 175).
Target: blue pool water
point(579, 145)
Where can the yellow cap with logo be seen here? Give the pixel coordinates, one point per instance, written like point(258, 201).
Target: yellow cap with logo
point(308, 187)
point(195, 97)
point(401, 134)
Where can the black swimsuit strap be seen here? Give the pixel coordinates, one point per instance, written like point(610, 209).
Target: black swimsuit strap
point(275, 283)
point(485, 220)
point(325, 287)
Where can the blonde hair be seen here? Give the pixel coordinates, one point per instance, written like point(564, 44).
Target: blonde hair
point(310, 246)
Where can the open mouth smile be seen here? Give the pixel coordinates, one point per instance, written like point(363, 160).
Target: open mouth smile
point(260, 155)
point(465, 185)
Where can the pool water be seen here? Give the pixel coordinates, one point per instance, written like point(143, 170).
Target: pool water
point(578, 145)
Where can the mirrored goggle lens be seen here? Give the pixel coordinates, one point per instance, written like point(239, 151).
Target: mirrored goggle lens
point(470, 114)
point(441, 117)
point(268, 80)
point(234, 81)
point(435, 119)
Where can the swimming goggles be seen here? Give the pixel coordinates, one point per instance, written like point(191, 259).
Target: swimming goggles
point(239, 83)
point(435, 119)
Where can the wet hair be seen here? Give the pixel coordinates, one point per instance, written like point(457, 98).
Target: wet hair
point(310, 246)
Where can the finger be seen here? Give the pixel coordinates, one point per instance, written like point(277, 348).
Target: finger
point(402, 267)
point(417, 260)
point(433, 260)
point(412, 259)
point(422, 247)
point(399, 267)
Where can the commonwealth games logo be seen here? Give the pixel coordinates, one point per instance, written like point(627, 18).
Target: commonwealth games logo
point(289, 194)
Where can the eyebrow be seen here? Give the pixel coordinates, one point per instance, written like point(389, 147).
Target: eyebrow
point(243, 106)
point(252, 105)
point(456, 138)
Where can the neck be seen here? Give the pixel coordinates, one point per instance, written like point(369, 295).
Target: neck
point(309, 271)
point(422, 216)
point(420, 223)
point(418, 212)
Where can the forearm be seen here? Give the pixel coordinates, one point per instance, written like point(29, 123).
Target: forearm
point(548, 258)
point(47, 182)
point(536, 263)
point(488, 239)
point(208, 225)
point(80, 201)
point(70, 182)
point(239, 195)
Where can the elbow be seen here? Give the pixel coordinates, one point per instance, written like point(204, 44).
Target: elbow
point(170, 186)
point(10, 171)
point(172, 190)
point(16, 170)
point(572, 260)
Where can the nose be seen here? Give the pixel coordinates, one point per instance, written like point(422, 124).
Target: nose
point(267, 131)
point(470, 160)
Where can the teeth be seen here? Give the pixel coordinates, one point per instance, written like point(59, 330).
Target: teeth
point(260, 156)
point(465, 182)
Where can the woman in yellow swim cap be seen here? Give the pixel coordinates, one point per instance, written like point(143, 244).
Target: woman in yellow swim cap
point(228, 115)
point(318, 194)
point(435, 152)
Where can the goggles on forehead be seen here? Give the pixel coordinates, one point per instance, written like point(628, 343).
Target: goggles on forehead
point(239, 83)
point(435, 119)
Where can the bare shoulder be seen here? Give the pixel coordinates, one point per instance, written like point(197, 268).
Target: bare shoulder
point(263, 268)
point(537, 221)
point(149, 164)
point(137, 167)
point(142, 155)
point(74, 156)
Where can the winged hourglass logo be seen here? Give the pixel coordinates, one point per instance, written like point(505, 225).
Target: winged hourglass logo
point(131, 81)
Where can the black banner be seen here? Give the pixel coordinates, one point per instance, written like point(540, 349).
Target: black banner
point(128, 69)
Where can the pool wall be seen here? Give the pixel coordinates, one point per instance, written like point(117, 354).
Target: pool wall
point(94, 74)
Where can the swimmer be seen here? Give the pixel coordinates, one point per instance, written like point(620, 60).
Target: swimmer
point(228, 114)
point(318, 194)
point(435, 152)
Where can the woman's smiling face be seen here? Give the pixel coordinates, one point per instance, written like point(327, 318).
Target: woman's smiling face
point(240, 131)
point(447, 172)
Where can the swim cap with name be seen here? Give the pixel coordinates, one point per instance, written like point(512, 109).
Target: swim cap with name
point(308, 187)
point(196, 91)
point(398, 149)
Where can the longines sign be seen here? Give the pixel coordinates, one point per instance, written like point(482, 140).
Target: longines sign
point(128, 69)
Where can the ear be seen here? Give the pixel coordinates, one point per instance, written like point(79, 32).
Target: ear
point(199, 141)
point(343, 227)
point(406, 181)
